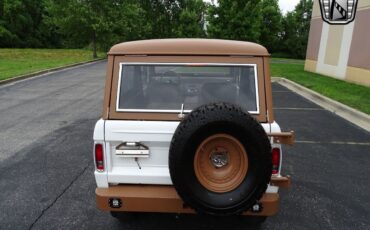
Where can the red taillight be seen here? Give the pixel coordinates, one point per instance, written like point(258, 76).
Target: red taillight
point(99, 157)
point(275, 160)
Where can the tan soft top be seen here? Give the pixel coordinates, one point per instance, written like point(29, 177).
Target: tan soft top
point(189, 47)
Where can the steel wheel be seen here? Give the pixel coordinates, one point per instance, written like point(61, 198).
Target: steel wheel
point(221, 163)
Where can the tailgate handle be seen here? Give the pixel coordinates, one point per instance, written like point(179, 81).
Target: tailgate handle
point(132, 149)
point(286, 138)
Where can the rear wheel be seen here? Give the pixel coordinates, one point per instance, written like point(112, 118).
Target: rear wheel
point(220, 159)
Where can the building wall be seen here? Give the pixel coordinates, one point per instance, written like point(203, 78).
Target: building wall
point(341, 51)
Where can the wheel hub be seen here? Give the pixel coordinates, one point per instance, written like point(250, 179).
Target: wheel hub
point(219, 158)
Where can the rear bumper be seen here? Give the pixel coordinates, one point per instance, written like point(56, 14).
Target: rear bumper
point(281, 181)
point(164, 198)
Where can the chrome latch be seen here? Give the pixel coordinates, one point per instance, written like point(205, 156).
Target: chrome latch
point(132, 149)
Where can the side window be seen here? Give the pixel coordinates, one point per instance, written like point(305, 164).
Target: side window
point(127, 81)
point(131, 88)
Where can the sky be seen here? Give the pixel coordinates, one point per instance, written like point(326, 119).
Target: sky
point(285, 5)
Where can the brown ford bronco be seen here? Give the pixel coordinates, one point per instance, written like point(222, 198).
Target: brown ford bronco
point(188, 127)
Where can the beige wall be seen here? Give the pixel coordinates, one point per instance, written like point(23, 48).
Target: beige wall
point(316, 11)
point(334, 45)
point(360, 47)
point(341, 51)
point(314, 39)
point(363, 4)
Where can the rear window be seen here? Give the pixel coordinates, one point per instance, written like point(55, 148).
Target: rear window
point(170, 87)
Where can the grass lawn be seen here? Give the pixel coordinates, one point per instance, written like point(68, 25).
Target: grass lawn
point(353, 95)
point(15, 62)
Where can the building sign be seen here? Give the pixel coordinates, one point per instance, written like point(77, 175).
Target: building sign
point(338, 12)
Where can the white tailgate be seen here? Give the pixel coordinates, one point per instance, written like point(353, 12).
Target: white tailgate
point(157, 136)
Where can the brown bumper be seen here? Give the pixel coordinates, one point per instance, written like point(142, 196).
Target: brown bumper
point(159, 198)
point(281, 181)
point(286, 138)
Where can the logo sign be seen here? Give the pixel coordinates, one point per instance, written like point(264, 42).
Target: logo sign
point(338, 12)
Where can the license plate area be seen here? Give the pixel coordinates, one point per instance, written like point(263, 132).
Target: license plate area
point(132, 149)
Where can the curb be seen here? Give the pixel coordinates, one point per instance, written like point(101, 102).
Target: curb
point(36, 74)
point(354, 116)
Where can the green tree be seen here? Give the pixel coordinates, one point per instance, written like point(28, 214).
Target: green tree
point(163, 16)
point(235, 19)
point(127, 24)
point(6, 36)
point(191, 20)
point(296, 26)
point(21, 22)
point(81, 21)
point(271, 25)
point(174, 18)
point(99, 23)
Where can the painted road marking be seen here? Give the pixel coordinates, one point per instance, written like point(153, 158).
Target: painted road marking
point(303, 109)
point(333, 142)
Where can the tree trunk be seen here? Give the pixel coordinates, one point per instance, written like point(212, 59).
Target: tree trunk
point(95, 55)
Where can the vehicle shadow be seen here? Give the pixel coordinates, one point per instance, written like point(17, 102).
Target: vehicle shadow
point(146, 221)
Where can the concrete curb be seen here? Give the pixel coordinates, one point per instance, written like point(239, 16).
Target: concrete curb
point(354, 116)
point(42, 72)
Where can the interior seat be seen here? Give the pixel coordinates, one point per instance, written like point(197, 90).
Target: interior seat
point(162, 95)
point(219, 91)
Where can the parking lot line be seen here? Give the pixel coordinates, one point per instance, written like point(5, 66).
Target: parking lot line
point(292, 108)
point(333, 142)
point(352, 115)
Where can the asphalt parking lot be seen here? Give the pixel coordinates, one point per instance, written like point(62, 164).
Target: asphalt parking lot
point(46, 167)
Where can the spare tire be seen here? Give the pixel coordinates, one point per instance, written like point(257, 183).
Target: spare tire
point(220, 159)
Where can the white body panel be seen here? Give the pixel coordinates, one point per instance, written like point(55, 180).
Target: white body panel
point(156, 135)
point(101, 178)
